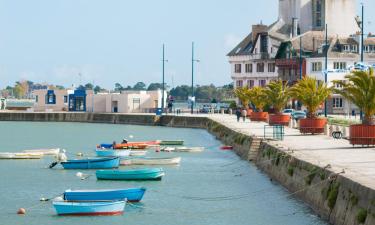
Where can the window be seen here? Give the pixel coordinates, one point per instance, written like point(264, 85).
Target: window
point(271, 67)
point(366, 48)
point(36, 98)
point(50, 97)
point(250, 83)
point(237, 68)
point(316, 66)
point(354, 48)
point(337, 102)
point(262, 83)
point(339, 65)
point(260, 67)
point(346, 48)
point(239, 83)
point(318, 13)
point(249, 68)
point(65, 99)
point(338, 86)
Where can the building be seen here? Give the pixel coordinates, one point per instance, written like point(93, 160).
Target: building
point(125, 102)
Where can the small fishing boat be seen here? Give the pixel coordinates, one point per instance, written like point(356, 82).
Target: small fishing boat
point(151, 161)
point(89, 208)
point(123, 146)
point(52, 151)
point(131, 194)
point(137, 174)
point(183, 149)
point(138, 153)
point(20, 155)
point(96, 163)
point(112, 153)
point(172, 142)
point(226, 147)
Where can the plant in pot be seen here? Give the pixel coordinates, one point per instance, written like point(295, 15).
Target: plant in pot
point(359, 88)
point(278, 96)
point(258, 98)
point(311, 94)
point(243, 95)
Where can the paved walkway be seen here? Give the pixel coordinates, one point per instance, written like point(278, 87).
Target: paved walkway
point(321, 150)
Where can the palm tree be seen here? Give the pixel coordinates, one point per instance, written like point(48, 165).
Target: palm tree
point(311, 94)
point(277, 95)
point(359, 88)
point(258, 98)
point(242, 93)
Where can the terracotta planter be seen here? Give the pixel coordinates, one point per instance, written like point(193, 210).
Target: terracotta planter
point(249, 111)
point(362, 134)
point(312, 125)
point(279, 119)
point(259, 116)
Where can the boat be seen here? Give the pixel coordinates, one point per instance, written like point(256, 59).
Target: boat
point(226, 147)
point(138, 153)
point(131, 194)
point(123, 146)
point(151, 161)
point(183, 149)
point(89, 208)
point(137, 174)
point(112, 153)
point(52, 151)
point(20, 155)
point(172, 142)
point(95, 163)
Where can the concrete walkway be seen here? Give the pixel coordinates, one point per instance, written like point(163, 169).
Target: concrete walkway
point(320, 150)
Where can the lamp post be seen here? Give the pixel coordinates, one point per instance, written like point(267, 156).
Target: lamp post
point(193, 60)
point(163, 81)
point(362, 32)
point(300, 57)
point(326, 67)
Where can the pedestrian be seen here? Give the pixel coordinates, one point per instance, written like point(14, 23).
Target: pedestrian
point(244, 114)
point(238, 114)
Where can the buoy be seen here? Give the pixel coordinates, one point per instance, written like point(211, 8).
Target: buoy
point(21, 211)
point(79, 154)
point(43, 199)
point(157, 150)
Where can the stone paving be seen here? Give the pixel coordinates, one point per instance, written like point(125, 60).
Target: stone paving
point(321, 150)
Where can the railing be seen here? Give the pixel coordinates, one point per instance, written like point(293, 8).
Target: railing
point(275, 132)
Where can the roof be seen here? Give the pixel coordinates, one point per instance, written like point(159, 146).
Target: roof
point(244, 47)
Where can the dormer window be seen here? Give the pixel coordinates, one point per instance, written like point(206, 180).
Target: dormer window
point(354, 48)
point(346, 48)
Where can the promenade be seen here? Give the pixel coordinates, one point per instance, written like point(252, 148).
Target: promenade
point(320, 150)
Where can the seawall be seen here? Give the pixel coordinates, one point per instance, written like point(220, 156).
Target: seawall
point(334, 197)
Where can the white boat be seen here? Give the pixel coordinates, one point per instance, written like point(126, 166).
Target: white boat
point(151, 161)
point(52, 151)
point(183, 149)
point(138, 153)
point(20, 155)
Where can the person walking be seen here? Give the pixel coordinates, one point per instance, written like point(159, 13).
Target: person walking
point(238, 114)
point(244, 114)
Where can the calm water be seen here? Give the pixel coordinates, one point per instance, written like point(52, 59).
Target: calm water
point(209, 188)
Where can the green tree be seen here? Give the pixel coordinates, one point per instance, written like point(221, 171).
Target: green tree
point(98, 89)
point(156, 86)
point(278, 95)
point(140, 86)
point(258, 98)
point(118, 87)
point(89, 86)
point(243, 94)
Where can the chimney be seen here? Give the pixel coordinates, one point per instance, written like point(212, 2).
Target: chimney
point(294, 27)
point(258, 28)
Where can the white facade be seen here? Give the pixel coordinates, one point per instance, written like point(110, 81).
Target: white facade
point(59, 102)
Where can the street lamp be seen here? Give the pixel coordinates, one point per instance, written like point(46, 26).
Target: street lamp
point(163, 82)
point(193, 60)
point(326, 68)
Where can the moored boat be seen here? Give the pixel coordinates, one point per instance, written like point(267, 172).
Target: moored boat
point(172, 142)
point(52, 151)
point(131, 194)
point(129, 145)
point(151, 161)
point(227, 147)
point(112, 153)
point(95, 163)
point(138, 153)
point(183, 149)
point(137, 174)
point(20, 155)
point(89, 208)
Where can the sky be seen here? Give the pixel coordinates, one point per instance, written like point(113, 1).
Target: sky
point(120, 41)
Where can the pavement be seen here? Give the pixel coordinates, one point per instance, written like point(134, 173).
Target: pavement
point(320, 150)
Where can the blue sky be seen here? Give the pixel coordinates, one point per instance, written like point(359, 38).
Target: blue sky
point(110, 41)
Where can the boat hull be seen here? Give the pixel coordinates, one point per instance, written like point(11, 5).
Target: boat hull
point(112, 153)
point(176, 142)
point(138, 153)
point(131, 194)
point(89, 208)
point(53, 151)
point(141, 174)
point(151, 161)
point(20, 155)
point(100, 163)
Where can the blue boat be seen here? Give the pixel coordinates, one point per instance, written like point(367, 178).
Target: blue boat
point(138, 174)
point(112, 153)
point(131, 194)
point(93, 208)
point(97, 163)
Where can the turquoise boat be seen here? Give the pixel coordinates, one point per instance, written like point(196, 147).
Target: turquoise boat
point(96, 163)
point(89, 208)
point(112, 153)
point(131, 194)
point(138, 174)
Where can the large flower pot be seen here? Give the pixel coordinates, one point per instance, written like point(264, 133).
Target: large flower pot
point(312, 125)
point(279, 119)
point(362, 134)
point(249, 111)
point(259, 116)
